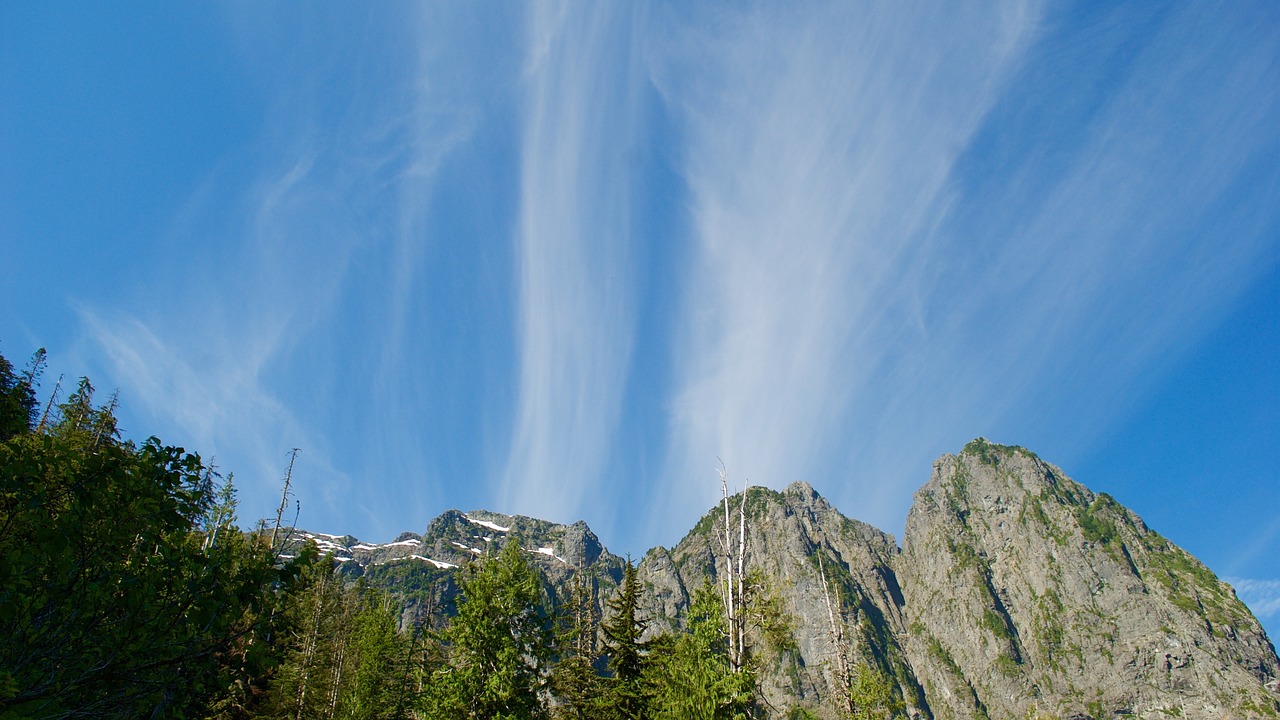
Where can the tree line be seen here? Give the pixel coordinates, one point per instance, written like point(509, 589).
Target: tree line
point(127, 590)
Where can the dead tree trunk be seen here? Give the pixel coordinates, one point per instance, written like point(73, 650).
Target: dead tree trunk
point(734, 588)
point(284, 499)
point(844, 682)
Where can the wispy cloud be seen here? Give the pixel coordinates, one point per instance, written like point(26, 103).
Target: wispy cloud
point(863, 300)
point(212, 401)
point(819, 148)
point(576, 306)
point(260, 340)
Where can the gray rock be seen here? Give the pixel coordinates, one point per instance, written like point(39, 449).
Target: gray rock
point(1017, 593)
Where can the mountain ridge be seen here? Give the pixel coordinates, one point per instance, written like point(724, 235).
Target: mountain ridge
point(1016, 592)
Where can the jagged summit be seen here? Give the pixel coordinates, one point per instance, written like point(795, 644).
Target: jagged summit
point(1016, 591)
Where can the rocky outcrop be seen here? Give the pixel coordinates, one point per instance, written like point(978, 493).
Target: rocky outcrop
point(1027, 593)
point(1017, 593)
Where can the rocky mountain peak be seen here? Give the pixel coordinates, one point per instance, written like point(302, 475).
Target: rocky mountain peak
point(1016, 593)
point(1023, 586)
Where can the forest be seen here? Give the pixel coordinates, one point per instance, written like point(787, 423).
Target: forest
point(129, 590)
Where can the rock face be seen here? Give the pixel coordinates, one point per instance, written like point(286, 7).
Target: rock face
point(1027, 593)
point(1017, 593)
point(419, 569)
point(786, 534)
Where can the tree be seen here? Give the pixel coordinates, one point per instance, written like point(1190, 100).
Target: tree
point(872, 695)
point(690, 676)
point(861, 691)
point(18, 396)
point(114, 601)
point(625, 698)
point(574, 681)
point(733, 591)
point(377, 659)
point(497, 645)
point(113, 606)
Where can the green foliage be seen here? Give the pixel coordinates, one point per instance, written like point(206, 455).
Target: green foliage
point(625, 696)
point(497, 646)
point(574, 683)
point(994, 623)
point(115, 602)
point(343, 656)
point(872, 694)
point(689, 676)
point(18, 396)
point(992, 453)
point(1094, 525)
point(1007, 665)
point(768, 618)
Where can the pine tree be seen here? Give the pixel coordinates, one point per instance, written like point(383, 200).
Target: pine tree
point(111, 603)
point(574, 681)
point(18, 396)
point(496, 647)
point(690, 676)
point(377, 660)
point(626, 697)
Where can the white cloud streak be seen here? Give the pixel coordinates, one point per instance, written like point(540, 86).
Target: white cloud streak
point(211, 400)
point(819, 142)
point(576, 314)
point(847, 318)
point(248, 353)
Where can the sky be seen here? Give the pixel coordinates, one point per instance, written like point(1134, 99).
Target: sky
point(563, 259)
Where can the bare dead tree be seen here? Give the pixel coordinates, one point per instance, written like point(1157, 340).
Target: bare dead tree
point(105, 422)
point(843, 678)
point(733, 590)
point(284, 498)
point(53, 397)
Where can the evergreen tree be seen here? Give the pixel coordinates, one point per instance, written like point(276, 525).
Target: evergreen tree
point(497, 646)
point(18, 396)
point(377, 660)
point(872, 695)
point(626, 696)
point(112, 604)
point(574, 681)
point(690, 676)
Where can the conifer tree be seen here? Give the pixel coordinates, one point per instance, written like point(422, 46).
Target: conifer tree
point(376, 660)
point(626, 697)
point(690, 676)
point(112, 606)
point(18, 396)
point(574, 681)
point(496, 647)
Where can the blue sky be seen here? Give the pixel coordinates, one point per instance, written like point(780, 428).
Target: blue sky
point(556, 259)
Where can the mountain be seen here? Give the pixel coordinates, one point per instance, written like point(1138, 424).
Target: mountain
point(1026, 591)
point(1016, 593)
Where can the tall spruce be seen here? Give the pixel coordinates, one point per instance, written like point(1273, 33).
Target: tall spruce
point(626, 695)
point(689, 676)
point(18, 396)
point(574, 681)
point(496, 648)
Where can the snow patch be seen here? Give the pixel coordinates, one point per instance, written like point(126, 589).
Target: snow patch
point(437, 563)
point(405, 543)
point(551, 553)
point(486, 523)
